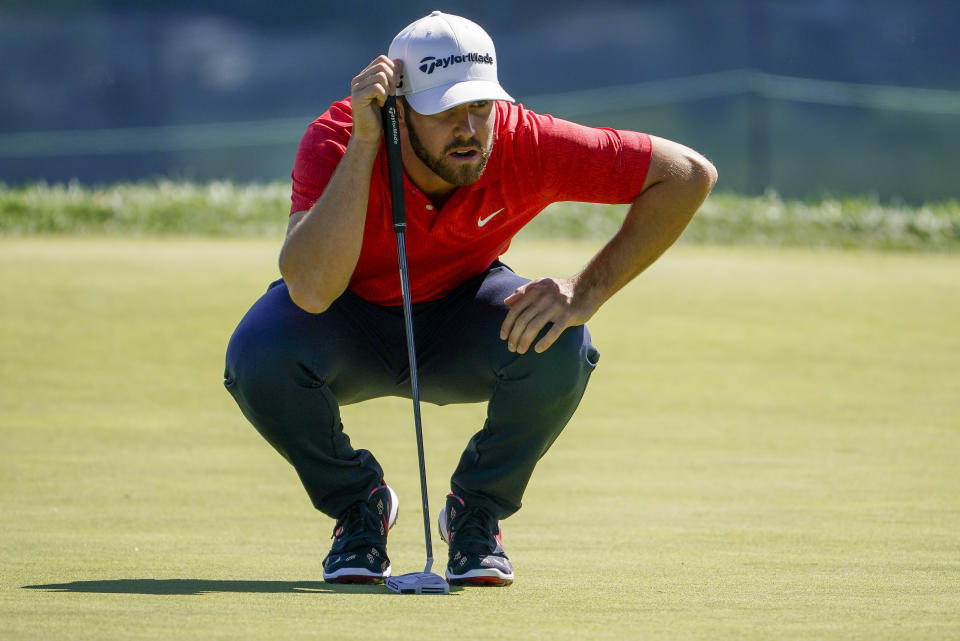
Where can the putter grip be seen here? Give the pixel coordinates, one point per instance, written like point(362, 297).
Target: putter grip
point(391, 136)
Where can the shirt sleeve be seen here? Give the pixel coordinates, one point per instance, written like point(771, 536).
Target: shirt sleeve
point(588, 164)
point(318, 155)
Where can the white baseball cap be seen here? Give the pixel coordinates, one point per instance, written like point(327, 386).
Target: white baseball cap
point(447, 61)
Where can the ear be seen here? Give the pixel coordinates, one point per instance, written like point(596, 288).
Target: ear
point(401, 112)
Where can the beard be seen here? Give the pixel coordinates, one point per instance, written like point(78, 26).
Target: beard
point(454, 174)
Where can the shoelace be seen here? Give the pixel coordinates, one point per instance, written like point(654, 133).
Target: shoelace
point(475, 530)
point(360, 527)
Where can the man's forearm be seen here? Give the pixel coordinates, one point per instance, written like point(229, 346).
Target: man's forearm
point(655, 220)
point(321, 249)
point(676, 184)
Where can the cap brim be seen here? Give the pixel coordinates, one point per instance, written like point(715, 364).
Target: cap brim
point(436, 99)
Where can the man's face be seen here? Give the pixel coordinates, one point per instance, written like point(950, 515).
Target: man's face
point(455, 144)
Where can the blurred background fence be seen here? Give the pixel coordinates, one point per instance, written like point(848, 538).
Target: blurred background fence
point(809, 98)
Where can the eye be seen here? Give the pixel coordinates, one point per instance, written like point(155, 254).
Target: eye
point(480, 104)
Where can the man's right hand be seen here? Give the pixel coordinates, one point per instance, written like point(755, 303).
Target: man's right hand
point(368, 93)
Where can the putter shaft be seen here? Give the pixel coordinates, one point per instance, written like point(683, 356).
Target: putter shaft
point(415, 389)
point(391, 135)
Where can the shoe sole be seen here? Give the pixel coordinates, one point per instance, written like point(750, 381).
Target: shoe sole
point(357, 575)
point(481, 578)
point(357, 579)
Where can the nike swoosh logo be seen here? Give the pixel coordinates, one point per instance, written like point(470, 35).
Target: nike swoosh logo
point(483, 221)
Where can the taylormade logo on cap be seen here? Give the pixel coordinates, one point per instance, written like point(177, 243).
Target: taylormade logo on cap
point(430, 63)
point(447, 61)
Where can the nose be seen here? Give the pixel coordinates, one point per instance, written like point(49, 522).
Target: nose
point(464, 124)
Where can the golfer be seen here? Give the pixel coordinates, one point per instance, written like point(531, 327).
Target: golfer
point(478, 167)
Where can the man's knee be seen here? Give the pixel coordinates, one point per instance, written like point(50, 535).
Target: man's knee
point(262, 357)
point(566, 365)
point(251, 365)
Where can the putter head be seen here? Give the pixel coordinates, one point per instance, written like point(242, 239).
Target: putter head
point(418, 583)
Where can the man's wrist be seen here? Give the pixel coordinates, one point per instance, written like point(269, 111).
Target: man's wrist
point(587, 295)
point(363, 148)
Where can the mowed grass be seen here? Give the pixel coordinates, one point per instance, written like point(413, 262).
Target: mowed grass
point(768, 450)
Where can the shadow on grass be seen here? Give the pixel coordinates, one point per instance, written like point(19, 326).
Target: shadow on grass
point(205, 586)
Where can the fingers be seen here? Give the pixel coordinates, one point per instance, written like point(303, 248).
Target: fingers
point(514, 297)
point(548, 339)
point(532, 307)
point(368, 93)
point(376, 82)
point(514, 302)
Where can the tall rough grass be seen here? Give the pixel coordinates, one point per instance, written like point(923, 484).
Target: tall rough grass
point(163, 207)
point(228, 209)
point(770, 220)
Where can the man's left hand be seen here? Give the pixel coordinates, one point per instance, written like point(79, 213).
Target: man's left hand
point(533, 306)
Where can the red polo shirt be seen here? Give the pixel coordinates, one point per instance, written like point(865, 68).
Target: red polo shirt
point(536, 160)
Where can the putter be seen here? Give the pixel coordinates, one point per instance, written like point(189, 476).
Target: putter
point(424, 582)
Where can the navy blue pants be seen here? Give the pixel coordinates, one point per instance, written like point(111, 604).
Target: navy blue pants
point(289, 372)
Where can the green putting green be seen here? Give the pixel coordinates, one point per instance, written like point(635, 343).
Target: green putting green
point(768, 450)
